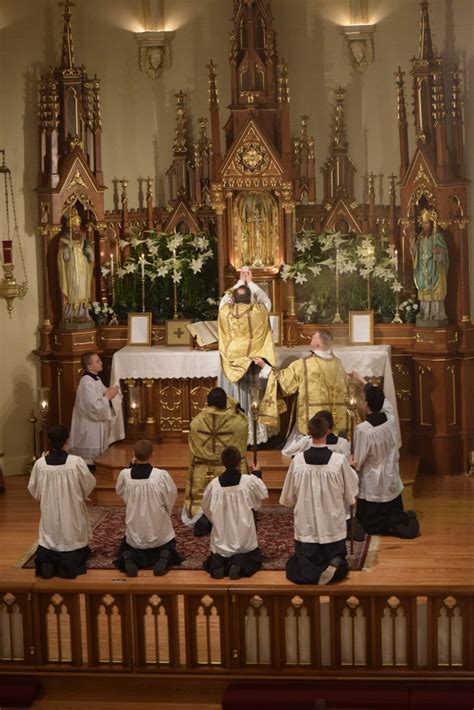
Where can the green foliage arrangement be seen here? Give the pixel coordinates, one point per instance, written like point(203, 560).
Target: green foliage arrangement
point(187, 261)
point(359, 260)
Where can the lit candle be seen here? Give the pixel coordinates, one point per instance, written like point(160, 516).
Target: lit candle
point(43, 406)
point(142, 263)
point(396, 260)
point(337, 260)
point(7, 251)
point(112, 265)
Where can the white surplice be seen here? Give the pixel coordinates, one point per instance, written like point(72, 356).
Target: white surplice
point(303, 443)
point(230, 510)
point(320, 494)
point(95, 424)
point(149, 504)
point(62, 491)
point(378, 459)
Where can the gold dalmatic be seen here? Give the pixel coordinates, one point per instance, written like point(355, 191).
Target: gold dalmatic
point(210, 432)
point(321, 383)
point(244, 333)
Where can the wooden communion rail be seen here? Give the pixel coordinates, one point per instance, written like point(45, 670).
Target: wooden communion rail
point(236, 631)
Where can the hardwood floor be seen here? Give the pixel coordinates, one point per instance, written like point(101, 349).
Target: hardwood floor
point(442, 556)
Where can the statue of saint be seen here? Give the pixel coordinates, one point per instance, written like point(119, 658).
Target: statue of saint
point(75, 270)
point(430, 270)
point(257, 230)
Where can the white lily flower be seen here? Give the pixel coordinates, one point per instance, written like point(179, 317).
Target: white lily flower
point(300, 278)
point(196, 265)
point(177, 276)
point(104, 271)
point(315, 269)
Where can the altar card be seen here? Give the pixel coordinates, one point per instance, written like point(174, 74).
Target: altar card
point(361, 327)
point(139, 329)
point(206, 334)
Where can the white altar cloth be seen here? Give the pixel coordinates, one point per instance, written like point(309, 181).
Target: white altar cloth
point(159, 362)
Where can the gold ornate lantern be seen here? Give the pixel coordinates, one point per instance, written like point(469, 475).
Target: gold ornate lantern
point(9, 288)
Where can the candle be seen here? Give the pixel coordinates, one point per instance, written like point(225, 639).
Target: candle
point(112, 265)
point(142, 263)
point(7, 251)
point(43, 406)
point(396, 260)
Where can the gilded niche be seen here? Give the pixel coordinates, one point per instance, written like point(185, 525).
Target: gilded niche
point(256, 229)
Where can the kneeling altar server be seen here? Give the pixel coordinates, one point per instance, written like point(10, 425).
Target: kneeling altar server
point(380, 506)
point(61, 482)
point(228, 502)
point(149, 494)
point(321, 485)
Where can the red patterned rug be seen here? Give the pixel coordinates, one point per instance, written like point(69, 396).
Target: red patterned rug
point(274, 531)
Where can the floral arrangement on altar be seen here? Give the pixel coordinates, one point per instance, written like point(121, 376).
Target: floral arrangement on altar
point(179, 265)
point(409, 308)
point(101, 313)
point(336, 273)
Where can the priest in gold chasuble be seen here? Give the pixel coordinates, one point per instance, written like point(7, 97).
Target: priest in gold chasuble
point(244, 334)
point(219, 425)
point(320, 381)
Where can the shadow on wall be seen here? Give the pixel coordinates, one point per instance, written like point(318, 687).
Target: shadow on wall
point(16, 431)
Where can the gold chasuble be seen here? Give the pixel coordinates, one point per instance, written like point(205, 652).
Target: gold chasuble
point(209, 433)
point(320, 383)
point(244, 333)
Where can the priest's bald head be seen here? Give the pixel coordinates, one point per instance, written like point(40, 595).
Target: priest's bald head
point(321, 340)
point(217, 398)
point(242, 294)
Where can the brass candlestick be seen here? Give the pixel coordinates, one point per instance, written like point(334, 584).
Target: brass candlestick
point(44, 411)
point(337, 317)
point(29, 466)
point(255, 408)
point(397, 318)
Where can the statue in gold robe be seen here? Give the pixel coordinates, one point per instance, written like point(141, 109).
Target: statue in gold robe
point(75, 271)
point(320, 381)
point(219, 425)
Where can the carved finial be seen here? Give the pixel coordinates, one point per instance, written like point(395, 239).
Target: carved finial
point(149, 190)
point(179, 145)
point(402, 111)
point(97, 116)
point(391, 185)
point(283, 88)
point(371, 177)
point(425, 48)
point(213, 93)
point(439, 105)
point(456, 95)
point(67, 56)
point(340, 138)
point(124, 184)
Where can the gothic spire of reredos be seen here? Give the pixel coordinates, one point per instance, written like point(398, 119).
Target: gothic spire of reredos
point(67, 53)
point(425, 45)
point(252, 53)
point(338, 169)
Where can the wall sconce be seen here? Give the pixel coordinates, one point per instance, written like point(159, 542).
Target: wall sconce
point(154, 51)
point(359, 43)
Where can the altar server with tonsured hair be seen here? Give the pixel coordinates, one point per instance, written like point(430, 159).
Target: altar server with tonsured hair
point(321, 485)
point(229, 502)
point(149, 494)
point(380, 507)
point(61, 483)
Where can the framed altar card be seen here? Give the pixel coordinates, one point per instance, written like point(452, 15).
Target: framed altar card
point(176, 333)
point(139, 329)
point(275, 325)
point(361, 327)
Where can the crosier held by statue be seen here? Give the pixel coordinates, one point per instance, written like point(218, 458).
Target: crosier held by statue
point(75, 270)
